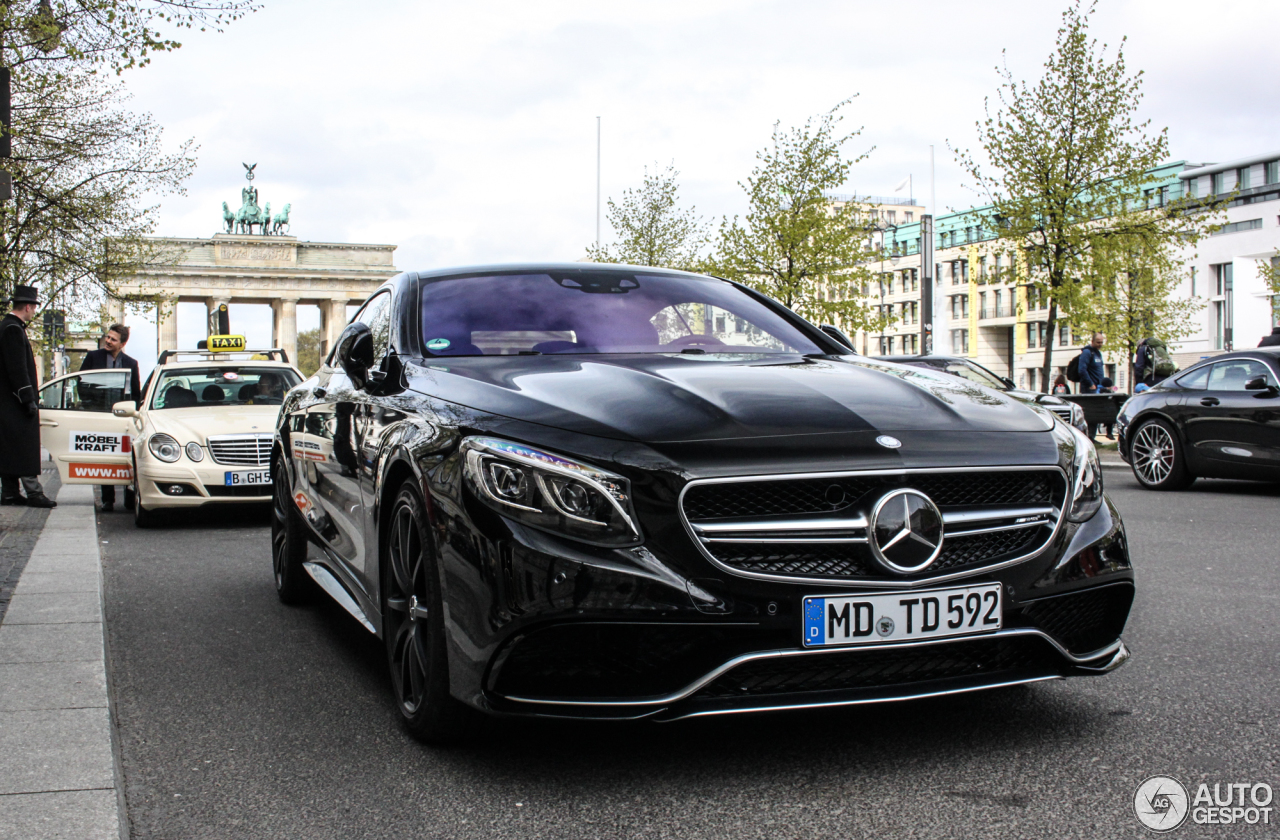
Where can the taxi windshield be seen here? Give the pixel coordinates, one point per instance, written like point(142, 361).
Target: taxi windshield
point(196, 387)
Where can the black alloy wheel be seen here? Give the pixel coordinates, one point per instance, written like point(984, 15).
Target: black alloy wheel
point(142, 518)
point(288, 541)
point(1157, 457)
point(413, 627)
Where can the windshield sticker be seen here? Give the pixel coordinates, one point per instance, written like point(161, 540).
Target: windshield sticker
point(230, 375)
point(438, 344)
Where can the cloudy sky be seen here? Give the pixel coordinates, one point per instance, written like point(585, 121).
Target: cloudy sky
point(466, 133)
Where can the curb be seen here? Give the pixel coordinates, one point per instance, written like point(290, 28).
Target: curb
point(59, 774)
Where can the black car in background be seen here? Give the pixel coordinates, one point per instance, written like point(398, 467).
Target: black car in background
point(612, 492)
point(974, 372)
point(1218, 419)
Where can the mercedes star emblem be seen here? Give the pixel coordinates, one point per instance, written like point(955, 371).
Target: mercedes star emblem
point(889, 442)
point(906, 531)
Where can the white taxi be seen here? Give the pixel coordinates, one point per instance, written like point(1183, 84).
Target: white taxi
point(202, 432)
point(88, 443)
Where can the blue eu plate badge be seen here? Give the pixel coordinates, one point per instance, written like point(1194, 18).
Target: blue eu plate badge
point(813, 618)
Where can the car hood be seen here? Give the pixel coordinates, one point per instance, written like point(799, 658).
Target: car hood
point(197, 424)
point(676, 397)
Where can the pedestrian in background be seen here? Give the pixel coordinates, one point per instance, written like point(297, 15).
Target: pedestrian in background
point(1060, 385)
point(1107, 387)
point(1272, 340)
point(1091, 368)
point(19, 409)
point(1152, 363)
point(111, 356)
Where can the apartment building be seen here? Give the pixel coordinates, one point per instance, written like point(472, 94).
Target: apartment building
point(985, 309)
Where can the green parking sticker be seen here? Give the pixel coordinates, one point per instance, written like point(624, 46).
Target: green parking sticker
point(437, 344)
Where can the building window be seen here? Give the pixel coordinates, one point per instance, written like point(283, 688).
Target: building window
point(915, 342)
point(915, 279)
point(1242, 178)
point(1272, 171)
point(960, 342)
point(982, 269)
point(1031, 379)
point(893, 217)
point(1219, 324)
point(999, 298)
point(1031, 336)
point(1064, 335)
point(1219, 183)
point(1236, 227)
point(911, 217)
point(1193, 281)
point(1192, 187)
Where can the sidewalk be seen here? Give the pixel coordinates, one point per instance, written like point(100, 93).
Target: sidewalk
point(58, 773)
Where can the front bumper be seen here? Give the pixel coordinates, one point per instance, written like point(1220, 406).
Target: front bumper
point(621, 634)
point(201, 484)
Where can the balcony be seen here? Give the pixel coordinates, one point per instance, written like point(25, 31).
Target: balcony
point(1004, 310)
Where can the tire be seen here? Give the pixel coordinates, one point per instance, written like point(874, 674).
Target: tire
point(288, 542)
point(1157, 457)
point(413, 628)
point(142, 518)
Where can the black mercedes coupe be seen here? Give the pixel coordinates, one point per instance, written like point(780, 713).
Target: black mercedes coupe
point(614, 492)
point(1218, 419)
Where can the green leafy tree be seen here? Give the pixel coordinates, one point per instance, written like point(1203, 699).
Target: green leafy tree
point(1269, 271)
point(84, 173)
point(1131, 293)
point(310, 347)
point(652, 228)
point(796, 245)
point(1068, 166)
point(56, 34)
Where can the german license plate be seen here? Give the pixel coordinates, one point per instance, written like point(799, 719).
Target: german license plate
point(241, 478)
point(901, 616)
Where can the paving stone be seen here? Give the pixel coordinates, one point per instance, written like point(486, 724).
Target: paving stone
point(50, 642)
point(67, 608)
point(66, 815)
point(28, 686)
point(65, 749)
point(45, 583)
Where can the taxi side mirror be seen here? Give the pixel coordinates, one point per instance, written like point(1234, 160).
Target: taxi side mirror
point(355, 353)
point(125, 409)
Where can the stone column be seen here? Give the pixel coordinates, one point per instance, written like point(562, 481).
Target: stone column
point(211, 307)
point(167, 328)
point(286, 326)
point(114, 312)
point(334, 315)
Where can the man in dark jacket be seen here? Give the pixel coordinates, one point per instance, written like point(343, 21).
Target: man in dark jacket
point(19, 409)
point(1272, 340)
point(108, 357)
point(1091, 367)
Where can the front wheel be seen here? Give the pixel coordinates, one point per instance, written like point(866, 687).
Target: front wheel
point(1158, 460)
point(413, 627)
point(288, 542)
point(142, 518)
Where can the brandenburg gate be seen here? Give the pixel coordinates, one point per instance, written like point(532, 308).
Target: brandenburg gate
point(240, 265)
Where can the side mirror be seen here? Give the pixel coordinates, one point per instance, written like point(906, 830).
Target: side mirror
point(125, 409)
point(838, 334)
point(355, 353)
point(1259, 383)
point(1007, 381)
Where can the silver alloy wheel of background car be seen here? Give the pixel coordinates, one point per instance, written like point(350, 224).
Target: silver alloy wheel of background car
point(1155, 457)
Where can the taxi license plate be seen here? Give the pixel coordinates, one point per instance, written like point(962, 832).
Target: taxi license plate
point(901, 616)
point(242, 478)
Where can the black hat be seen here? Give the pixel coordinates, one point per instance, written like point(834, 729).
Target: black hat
point(24, 294)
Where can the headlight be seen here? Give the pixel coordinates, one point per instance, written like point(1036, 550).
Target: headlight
point(1077, 416)
point(1086, 491)
point(551, 492)
point(164, 447)
point(195, 451)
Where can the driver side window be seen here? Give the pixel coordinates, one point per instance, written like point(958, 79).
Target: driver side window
point(96, 391)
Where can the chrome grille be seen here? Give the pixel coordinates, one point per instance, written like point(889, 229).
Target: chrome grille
point(814, 527)
point(1063, 411)
point(241, 450)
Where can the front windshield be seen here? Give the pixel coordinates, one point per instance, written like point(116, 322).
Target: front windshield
point(196, 387)
point(599, 312)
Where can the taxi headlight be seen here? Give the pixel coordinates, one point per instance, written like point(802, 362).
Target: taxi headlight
point(195, 451)
point(551, 492)
point(1086, 496)
point(164, 447)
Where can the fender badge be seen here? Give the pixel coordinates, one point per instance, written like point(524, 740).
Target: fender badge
point(888, 442)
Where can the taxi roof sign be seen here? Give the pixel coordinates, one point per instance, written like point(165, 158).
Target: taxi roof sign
point(225, 343)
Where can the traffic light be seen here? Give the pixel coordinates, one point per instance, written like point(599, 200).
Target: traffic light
point(55, 326)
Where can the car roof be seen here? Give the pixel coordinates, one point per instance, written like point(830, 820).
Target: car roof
point(543, 267)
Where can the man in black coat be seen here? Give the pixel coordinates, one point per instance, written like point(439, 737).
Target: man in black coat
point(19, 409)
point(1271, 340)
point(111, 356)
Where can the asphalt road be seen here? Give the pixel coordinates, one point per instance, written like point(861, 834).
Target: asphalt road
point(243, 718)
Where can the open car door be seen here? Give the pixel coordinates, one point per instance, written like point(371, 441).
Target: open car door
point(89, 444)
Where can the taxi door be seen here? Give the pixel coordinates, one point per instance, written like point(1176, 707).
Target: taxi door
point(89, 444)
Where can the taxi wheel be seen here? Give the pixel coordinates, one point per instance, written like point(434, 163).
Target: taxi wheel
point(288, 543)
point(142, 518)
point(413, 628)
